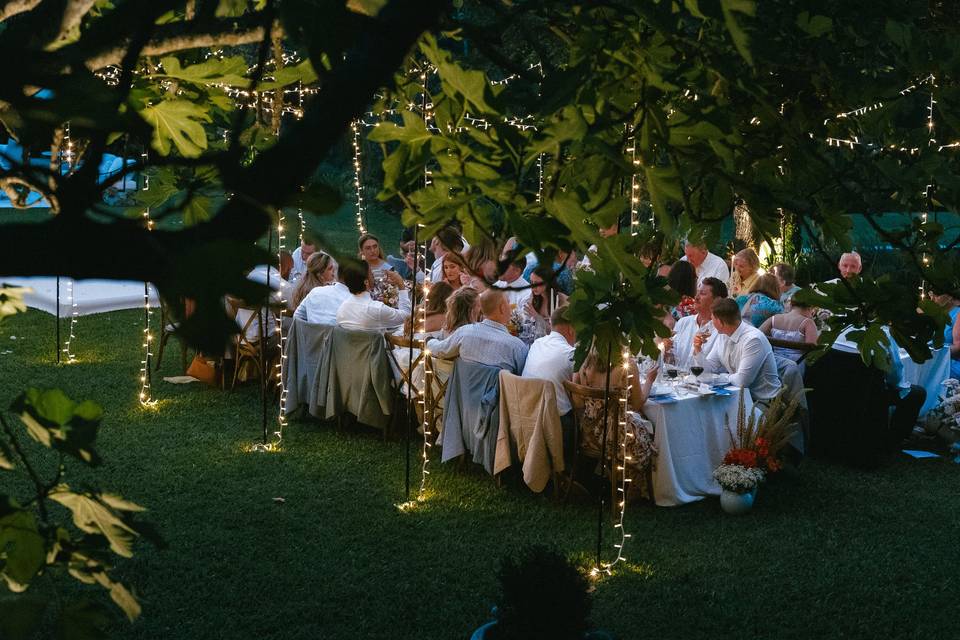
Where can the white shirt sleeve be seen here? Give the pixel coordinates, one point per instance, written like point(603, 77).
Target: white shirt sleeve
point(389, 317)
point(752, 355)
point(403, 301)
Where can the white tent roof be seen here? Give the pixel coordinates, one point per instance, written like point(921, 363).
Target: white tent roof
point(90, 296)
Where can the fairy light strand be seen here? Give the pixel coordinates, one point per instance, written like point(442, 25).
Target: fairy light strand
point(145, 397)
point(428, 417)
point(358, 175)
point(282, 415)
point(68, 346)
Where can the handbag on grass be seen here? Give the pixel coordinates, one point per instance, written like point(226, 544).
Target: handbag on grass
point(203, 370)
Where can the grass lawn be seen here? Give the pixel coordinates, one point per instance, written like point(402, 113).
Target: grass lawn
point(833, 552)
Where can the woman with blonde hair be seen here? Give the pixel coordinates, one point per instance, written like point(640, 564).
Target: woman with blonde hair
point(463, 307)
point(321, 270)
point(481, 264)
point(746, 270)
point(763, 300)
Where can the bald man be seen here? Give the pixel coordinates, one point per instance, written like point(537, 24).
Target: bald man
point(850, 265)
point(487, 342)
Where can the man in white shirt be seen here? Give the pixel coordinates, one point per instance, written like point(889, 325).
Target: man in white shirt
point(707, 264)
point(688, 327)
point(742, 351)
point(360, 311)
point(445, 241)
point(321, 305)
point(513, 284)
point(551, 358)
point(300, 256)
point(850, 265)
point(282, 291)
point(487, 342)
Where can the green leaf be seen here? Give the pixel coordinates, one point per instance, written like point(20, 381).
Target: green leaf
point(370, 8)
point(816, 25)
point(177, 122)
point(23, 546)
point(231, 8)
point(693, 6)
point(6, 457)
point(413, 130)
point(898, 33)
point(740, 38)
point(228, 71)
point(92, 514)
point(56, 421)
point(302, 72)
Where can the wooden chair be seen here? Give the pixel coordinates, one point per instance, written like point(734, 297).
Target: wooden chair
point(435, 393)
point(406, 373)
point(579, 394)
point(248, 350)
point(170, 327)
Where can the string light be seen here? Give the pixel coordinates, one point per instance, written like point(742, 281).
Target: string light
point(621, 463)
point(282, 416)
point(300, 218)
point(358, 176)
point(634, 187)
point(68, 347)
point(428, 417)
point(145, 398)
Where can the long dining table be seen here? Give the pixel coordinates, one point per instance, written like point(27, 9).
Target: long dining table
point(692, 434)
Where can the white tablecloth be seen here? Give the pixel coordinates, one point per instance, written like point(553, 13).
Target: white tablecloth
point(90, 296)
point(692, 438)
point(930, 375)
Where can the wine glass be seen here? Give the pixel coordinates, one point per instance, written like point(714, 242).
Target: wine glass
point(696, 370)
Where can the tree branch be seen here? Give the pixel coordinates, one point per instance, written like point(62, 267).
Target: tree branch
point(180, 36)
point(73, 15)
point(14, 7)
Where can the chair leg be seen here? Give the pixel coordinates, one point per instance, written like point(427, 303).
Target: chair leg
point(164, 336)
point(237, 362)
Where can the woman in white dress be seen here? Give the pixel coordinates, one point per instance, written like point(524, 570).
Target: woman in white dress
point(797, 325)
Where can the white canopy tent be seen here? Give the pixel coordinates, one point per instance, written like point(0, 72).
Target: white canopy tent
point(89, 296)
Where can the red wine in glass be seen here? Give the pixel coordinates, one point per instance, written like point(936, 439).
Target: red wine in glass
point(671, 373)
point(695, 370)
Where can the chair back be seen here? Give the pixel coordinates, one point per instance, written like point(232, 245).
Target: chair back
point(359, 379)
point(401, 344)
point(586, 401)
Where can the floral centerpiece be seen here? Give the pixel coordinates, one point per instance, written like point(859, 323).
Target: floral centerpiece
point(756, 450)
point(384, 290)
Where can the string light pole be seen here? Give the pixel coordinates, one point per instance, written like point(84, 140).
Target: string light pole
point(410, 390)
point(282, 415)
point(428, 417)
point(145, 398)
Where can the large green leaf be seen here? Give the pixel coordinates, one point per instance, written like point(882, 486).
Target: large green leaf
point(228, 71)
point(177, 122)
point(93, 514)
point(56, 421)
point(23, 548)
point(737, 33)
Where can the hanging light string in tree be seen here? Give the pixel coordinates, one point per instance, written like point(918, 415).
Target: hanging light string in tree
point(358, 176)
point(145, 397)
point(623, 462)
point(427, 392)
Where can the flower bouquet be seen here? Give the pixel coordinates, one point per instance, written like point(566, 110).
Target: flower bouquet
point(737, 478)
point(385, 291)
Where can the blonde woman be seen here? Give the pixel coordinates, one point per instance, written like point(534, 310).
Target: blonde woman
point(321, 270)
point(746, 270)
point(463, 308)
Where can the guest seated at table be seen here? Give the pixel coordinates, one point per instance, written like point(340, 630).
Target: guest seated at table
point(850, 265)
point(850, 401)
point(372, 254)
point(639, 431)
point(463, 308)
point(431, 316)
point(741, 351)
point(321, 271)
point(564, 264)
point(543, 300)
point(515, 286)
point(682, 279)
point(551, 358)
point(243, 312)
point(321, 304)
point(300, 256)
point(696, 328)
point(950, 300)
point(399, 263)
point(481, 264)
point(360, 311)
point(785, 275)
point(453, 273)
point(763, 300)
point(707, 264)
point(446, 240)
point(796, 325)
point(746, 270)
point(487, 342)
